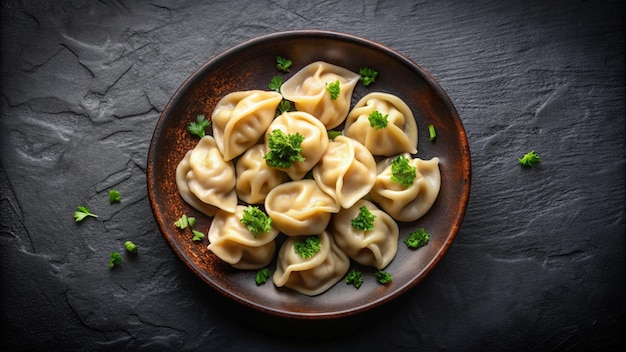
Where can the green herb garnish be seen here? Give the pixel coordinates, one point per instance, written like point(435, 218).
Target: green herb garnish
point(115, 259)
point(333, 133)
point(431, 132)
point(364, 221)
point(284, 106)
point(383, 277)
point(529, 159)
point(378, 120)
point(308, 247)
point(199, 126)
point(130, 247)
point(82, 213)
point(283, 149)
point(197, 235)
point(276, 83)
point(402, 172)
point(256, 220)
point(262, 275)
point(283, 64)
point(334, 89)
point(368, 75)
point(114, 196)
point(355, 278)
point(417, 238)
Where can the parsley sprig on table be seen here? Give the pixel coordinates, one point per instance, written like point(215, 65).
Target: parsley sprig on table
point(402, 172)
point(256, 220)
point(283, 149)
point(308, 247)
point(82, 213)
point(364, 221)
point(115, 258)
point(114, 196)
point(529, 159)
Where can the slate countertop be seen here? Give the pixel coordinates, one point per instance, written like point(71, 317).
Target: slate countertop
point(538, 264)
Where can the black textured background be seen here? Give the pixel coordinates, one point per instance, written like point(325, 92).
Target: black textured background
point(537, 266)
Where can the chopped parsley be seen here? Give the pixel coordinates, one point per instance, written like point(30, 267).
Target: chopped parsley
point(114, 196)
point(130, 247)
point(431, 132)
point(199, 126)
point(529, 159)
point(402, 172)
point(283, 149)
point(308, 247)
point(256, 220)
point(262, 275)
point(417, 238)
point(283, 64)
point(355, 278)
point(276, 83)
point(378, 120)
point(115, 259)
point(334, 89)
point(368, 75)
point(383, 277)
point(364, 221)
point(82, 213)
point(184, 221)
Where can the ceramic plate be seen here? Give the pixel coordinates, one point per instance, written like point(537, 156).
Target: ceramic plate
point(251, 65)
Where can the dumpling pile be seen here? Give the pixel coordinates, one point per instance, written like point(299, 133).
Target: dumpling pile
point(315, 197)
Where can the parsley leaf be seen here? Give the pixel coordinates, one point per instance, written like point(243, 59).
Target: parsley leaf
point(431, 132)
point(308, 247)
point(82, 213)
point(355, 278)
point(283, 64)
point(378, 120)
point(183, 222)
point(332, 134)
point(284, 106)
point(368, 75)
point(197, 235)
point(529, 159)
point(334, 89)
point(275, 83)
point(417, 238)
point(114, 196)
point(402, 171)
point(262, 275)
point(115, 259)
point(383, 277)
point(130, 246)
point(283, 149)
point(199, 126)
point(364, 221)
point(256, 220)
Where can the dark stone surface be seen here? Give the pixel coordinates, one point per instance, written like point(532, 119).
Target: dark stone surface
point(538, 264)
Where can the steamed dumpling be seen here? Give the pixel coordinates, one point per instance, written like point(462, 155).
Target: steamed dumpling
point(254, 177)
point(232, 242)
point(347, 171)
point(185, 193)
point(210, 178)
point(375, 247)
point(240, 119)
point(412, 202)
point(400, 134)
point(300, 207)
point(307, 89)
point(314, 275)
point(313, 146)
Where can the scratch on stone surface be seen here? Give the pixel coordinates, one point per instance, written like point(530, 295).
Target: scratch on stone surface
point(78, 59)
